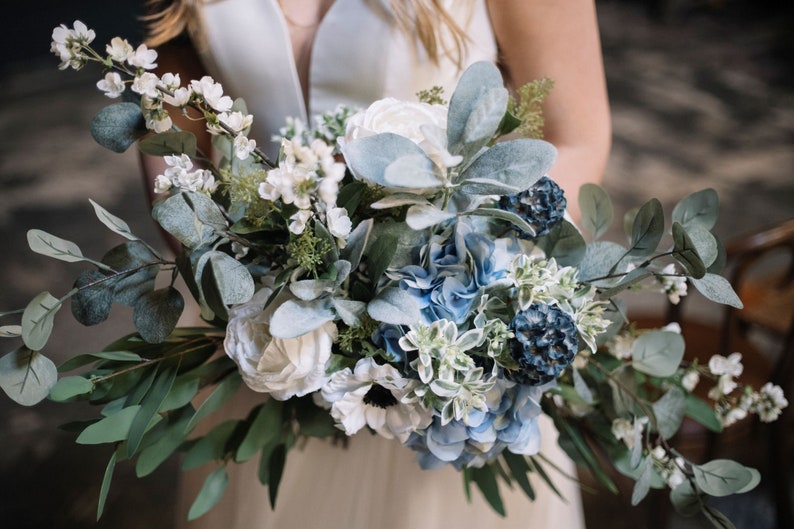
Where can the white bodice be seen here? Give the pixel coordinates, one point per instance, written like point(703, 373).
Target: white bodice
point(359, 55)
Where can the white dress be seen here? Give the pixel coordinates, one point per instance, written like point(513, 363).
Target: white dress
point(358, 56)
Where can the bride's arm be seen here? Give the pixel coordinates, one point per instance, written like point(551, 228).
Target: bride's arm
point(559, 39)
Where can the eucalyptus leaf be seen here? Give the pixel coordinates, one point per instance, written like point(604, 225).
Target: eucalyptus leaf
point(115, 224)
point(717, 519)
point(44, 243)
point(647, 229)
point(37, 320)
point(357, 242)
point(717, 289)
point(669, 412)
point(156, 313)
point(192, 218)
point(169, 143)
point(701, 411)
point(394, 306)
point(686, 253)
point(135, 270)
point(210, 494)
point(69, 387)
point(596, 209)
point(599, 258)
point(564, 243)
point(10, 331)
point(698, 209)
point(686, 500)
point(657, 353)
point(722, 477)
point(118, 126)
point(643, 485)
point(581, 386)
point(212, 446)
point(27, 376)
point(182, 392)
point(93, 299)
point(705, 242)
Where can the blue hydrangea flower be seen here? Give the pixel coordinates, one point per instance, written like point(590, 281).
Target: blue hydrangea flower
point(450, 272)
point(542, 205)
point(545, 343)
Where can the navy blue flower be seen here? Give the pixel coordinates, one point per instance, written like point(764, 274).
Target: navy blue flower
point(545, 343)
point(542, 205)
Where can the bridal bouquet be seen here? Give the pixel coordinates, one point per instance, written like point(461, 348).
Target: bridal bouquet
point(404, 270)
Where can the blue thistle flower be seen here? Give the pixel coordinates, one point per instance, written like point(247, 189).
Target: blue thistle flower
point(545, 343)
point(542, 205)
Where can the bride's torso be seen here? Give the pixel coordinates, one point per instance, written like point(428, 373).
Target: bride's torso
point(326, 52)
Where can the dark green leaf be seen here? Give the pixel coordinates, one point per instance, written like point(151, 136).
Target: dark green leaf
point(716, 518)
point(380, 254)
point(156, 453)
point(686, 500)
point(182, 392)
point(210, 447)
point(110, 429)
point(485, 479)
point(105, 488)
point(519, 469)
point(221, 394)
point(265, 428)
point(149, 406)
point(93, 300)
point(156, 313)
point(701, 411)
point(118, 126)
point(643, 485)
point(210, 494)
point(69, 387)
point(85, 359)
point(278, 458)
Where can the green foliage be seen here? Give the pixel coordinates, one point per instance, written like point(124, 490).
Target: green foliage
point(169, 143)
point(596, 210)
point(432, 96)
point(527, 107)
point(211, 492)
point(657, 353)
point(38, 320)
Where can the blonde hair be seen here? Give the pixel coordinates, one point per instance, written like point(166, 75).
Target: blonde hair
point(428, 19)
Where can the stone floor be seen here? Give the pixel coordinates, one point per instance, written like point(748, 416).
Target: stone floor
point(704, 99)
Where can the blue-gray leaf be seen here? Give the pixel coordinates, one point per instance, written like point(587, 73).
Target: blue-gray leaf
point(394, 306)
point(118, 126)
point(657, 353)
point(27, 376)
point(508, 167)
point(369, 157)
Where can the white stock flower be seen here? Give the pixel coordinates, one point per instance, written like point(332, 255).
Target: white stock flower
point(769, 402)
point(243, 147)
point(376, 396)
point(730, 365)
point(111, 85)
point(162, 184)
point(339, 223)
point(67, 44)
point(143, 57)
point(673, 285)
point(212, 93)
point(299, 221)
point(119, 49)
point(690, 380)
point(620, 345)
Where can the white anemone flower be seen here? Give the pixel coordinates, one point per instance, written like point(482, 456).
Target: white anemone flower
point(376, 396)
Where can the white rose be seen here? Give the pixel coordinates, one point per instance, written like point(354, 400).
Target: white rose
point(296, 366)
point(247, 336)
point(422, 123)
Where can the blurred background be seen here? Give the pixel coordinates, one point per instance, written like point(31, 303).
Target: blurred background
point(702, 95)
